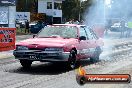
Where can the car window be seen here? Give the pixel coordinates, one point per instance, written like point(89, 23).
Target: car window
point(83, 32)
point(90, 36)
point(62, 31)
point(90, 33)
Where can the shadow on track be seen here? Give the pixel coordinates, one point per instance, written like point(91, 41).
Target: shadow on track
point(46, 68)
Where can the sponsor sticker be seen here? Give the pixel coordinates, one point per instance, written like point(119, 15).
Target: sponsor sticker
point(82, 78)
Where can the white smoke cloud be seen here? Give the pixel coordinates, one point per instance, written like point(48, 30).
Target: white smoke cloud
point(103, 10)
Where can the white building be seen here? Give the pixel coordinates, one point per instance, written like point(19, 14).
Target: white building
point(51, 8)
point(22, 16)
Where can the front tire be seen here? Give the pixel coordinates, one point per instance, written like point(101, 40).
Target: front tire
point(72, 63)
point(26, 63)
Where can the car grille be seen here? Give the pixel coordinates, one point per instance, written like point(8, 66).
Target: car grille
point(36, 49)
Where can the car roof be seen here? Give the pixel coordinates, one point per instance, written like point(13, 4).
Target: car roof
point(67, 25)
point(75, 25)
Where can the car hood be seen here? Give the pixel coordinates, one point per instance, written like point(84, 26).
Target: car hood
point(47, 42)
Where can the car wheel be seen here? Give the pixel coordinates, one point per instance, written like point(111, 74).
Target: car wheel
point(96, 55)
point(72, 63)
point(26, 63)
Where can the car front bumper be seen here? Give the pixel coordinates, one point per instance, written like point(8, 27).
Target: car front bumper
point(37, 55)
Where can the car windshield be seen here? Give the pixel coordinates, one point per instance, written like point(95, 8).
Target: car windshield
point(59, 31)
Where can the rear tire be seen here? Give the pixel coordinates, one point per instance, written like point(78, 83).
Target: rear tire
point(96, 55)
point(26, 63)
point(94, 59)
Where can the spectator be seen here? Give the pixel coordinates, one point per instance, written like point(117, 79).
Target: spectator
point(107, 26)
point(75, 22)
point(81, 22)
point(122, 29)
point(27, 26)
point(69, 22)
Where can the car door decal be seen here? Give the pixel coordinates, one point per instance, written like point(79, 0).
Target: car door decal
point(86, 51)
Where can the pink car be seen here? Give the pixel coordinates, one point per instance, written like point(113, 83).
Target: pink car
point(66, 43)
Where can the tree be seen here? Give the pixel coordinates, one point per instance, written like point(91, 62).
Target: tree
point(72, 8)
point(27, 5)
point(34, 5)
point(20, 5)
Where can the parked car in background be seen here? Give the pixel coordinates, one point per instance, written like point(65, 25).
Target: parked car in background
point(20, 24)
point(116, 27)
point(65, 43)
point(36, 27)
point(32, 23)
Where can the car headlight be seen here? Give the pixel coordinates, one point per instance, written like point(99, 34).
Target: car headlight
point(53, 49)
point(21, 48)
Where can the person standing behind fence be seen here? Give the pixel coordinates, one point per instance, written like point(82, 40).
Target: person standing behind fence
point(122, 29)
point(27, 26)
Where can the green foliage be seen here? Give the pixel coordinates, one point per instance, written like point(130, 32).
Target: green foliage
point(72, 8)
point(27, 5)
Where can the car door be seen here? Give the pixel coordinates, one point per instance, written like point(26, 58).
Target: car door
point(83, 43)
point(92, 40)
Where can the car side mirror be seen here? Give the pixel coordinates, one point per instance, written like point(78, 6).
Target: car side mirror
point(82, 38)
point(34, 35)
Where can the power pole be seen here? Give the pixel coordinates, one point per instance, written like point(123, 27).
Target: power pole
point(26, 7)
point(80, 2)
